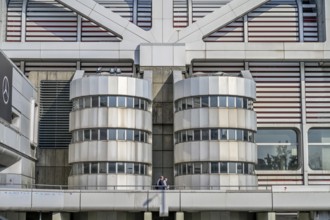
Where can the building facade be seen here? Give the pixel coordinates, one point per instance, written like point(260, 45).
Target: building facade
point(238, 94)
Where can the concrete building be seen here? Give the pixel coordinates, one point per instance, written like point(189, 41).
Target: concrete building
point(233, 101)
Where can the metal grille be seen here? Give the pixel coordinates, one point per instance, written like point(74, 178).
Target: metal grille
point(310, 21)
point(55, 107)
point(47, 20)
point(217, 66)
point(124, 8)
point(274, 21)
point(91, 32)
point(144, 14)
point(317, 79)
point(233, 32)
point(180, 13)
point(14, 20)
point(278, 91)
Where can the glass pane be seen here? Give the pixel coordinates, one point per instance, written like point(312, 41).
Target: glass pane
point(276, 136)
point(80, 135)
point(231, 134)
point(184, 104)
point(179, 105)
point(87, 102)
point(214, 167)
point(87, 136)
point(112, 101)
point(197, 168)
point(197, 102)
point(94, 168)
point(214, 134)
point(189, 103)
point(205, 134)
point(197, 135)
point(81, 102)
point(121, 134)
point(205, 167)
point(103, 101)
point(189, 168)
point(103, 167)
point(130, 102)
point(184, 136)
point(112, 134)
point(112, 167)
point(136, 135)
point(318, 157)
point(103, 134)
point(142, 133)
point(136, 168)
point(245, 101)
point(75, 104)
point(129, 134)
point(223, 101)
point(80, 169)
point(136, 103)
point(239, 167)
point(223, 134)
point(232, 167)
point(121, 167)
point(205, 101)
point(231, 102)
point(223, 167)
point(142, 169)
point(319, 135)
point(95, 134)
point(190, 135)
point(129, 168)
point(239, 102)
point(121, 101)
point(86, 168)
point(214, 101)
point(95, 101)
point(239, 134)
point(142, 104)
point(246, 168)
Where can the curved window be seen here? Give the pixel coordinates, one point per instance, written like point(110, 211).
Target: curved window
point(106, 134)
point(193, 168)
point(214, 101)
point(110, 168)
point(214, 134)
point(277, 149)
point(111, 102)
point(319, 148)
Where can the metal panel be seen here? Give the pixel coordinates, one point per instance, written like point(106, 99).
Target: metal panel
point(14, 20)
point(180, 13)
point(310, 16)
point(54, 114)
point(201, 8)
point(274, 21)
point(278, 91)
point(47, 20)
point(144, 14)
point(233, 32)
point(317, 78)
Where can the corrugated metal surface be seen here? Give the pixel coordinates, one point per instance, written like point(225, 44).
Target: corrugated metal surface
point(144, 14)
point(47, 20)
point(310, 21)
point(124, 8)
point(279, 179)
point(278, 91)
point(317, 83)
point(319, 179)
point(55, 107)
point(14, 20)
point(274, 21)
point(233, 32)
point(180, 13)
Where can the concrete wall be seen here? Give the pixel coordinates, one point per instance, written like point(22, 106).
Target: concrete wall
point(52, 166)
point(162, 122)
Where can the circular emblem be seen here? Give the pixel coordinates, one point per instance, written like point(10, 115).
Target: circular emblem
point(5, 90)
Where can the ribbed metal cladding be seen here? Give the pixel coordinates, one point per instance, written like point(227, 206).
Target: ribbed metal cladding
point(317, 78)
point(202, 8)
point(14, 20)
point(127, 9)
point(274, 21)
point(278, 91)
point(55, 107)
point(91, 32)
point(47, 20)
point(310, 16)
point(180, 13)
point(233, 32)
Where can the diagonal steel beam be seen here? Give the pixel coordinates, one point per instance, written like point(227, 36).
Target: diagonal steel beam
point(219, 18)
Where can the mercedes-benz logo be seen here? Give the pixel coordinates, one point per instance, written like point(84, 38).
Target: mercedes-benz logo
point(5, 90)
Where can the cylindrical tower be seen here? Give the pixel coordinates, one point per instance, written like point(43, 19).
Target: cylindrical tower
point(214, 125)
point(111, 129)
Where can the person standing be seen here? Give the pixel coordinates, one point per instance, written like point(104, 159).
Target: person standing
point(160, 183)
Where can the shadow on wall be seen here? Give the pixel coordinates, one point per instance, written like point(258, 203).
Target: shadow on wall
point(3, 218)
